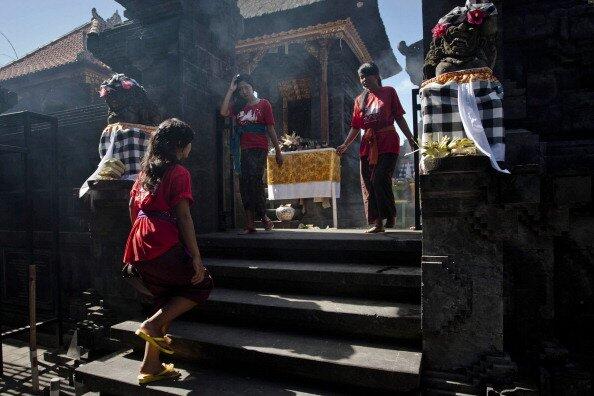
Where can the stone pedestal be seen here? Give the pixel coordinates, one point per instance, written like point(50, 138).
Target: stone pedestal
point(109, 227)
point(462, 266)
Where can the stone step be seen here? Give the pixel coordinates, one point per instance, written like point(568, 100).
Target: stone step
point(440, 392)
point(328, 315)
point(321, 358)
point(280, 225)
point(117, 375)
point(345, 279)
point(394, 248)
point(448, 385)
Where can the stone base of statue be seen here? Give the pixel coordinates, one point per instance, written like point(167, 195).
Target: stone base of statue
point(109, 227)
point(462, 269)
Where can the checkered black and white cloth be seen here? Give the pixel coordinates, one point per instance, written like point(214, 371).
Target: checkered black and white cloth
point(441, 116)
point(130, 144)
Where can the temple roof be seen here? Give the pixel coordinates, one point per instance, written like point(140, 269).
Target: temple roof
point(266, 17)
point(252, 8)
point(67, 49)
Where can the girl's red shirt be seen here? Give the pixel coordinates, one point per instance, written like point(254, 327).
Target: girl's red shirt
point(151, 235)
point(259, 113)
point(381, 110)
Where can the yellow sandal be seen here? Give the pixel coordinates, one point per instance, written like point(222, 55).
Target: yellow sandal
point(167, 373)
point(154, 341)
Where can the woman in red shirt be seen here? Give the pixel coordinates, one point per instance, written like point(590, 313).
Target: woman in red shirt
point(254, 125)
point(161, 248)
point(375, 111)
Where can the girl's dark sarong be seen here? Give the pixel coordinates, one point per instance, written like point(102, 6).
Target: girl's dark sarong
point(376, 186)
point(251, 185)
point(170, 274)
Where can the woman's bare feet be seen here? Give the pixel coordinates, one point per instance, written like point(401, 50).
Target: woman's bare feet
point(375, 229)
point(391, 222)
point(247, 231)
point(268, 224)
point(378, 227)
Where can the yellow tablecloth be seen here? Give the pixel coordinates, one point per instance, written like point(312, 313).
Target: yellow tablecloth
point(304, 174)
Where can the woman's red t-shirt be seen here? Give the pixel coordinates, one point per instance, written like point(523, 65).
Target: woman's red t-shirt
point(259, 113)
point(381, 109)
point(152, 236)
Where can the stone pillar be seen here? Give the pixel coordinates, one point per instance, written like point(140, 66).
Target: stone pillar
point(319, 50)
point(109, 225)
point(462, 267)
point(183, 53)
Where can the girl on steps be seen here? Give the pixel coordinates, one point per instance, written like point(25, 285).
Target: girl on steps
point(161, 248)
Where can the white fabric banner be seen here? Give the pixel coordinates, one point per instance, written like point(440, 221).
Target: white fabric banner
point(471, 120)
point(303, 190)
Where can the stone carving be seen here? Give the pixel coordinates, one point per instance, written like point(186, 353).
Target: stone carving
point(127, 101)
point(124, 140)
point(414, 60)
point(98, 24)
point(463, 39)
point(7, 99)
point(460, 87)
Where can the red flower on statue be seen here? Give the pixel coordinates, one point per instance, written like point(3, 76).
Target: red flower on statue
point(476, 17)
point(127, 84)
point(103, 92)
point(439, 29)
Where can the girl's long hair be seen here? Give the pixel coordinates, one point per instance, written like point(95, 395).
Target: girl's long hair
point(171, 135)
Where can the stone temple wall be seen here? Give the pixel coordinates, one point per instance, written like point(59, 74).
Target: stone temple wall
point(545, 209)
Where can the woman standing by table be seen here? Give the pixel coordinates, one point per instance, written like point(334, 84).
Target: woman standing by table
point(249, 146)
point(375, 111)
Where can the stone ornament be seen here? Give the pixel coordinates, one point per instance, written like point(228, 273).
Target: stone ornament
point(465, 38)
point(124, 140)
point(461, 99)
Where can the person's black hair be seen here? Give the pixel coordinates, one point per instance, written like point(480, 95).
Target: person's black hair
point(238, 101)
point(370, 69)
point(171, 135)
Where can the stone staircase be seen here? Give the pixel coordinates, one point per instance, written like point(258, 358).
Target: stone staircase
point(292, 313)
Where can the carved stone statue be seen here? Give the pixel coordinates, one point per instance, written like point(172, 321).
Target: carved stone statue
point(461, 99)
point(131, 122)
point(128, 101)
point(98, 24)
point(414, 60)
point(463, 39)
point(7, 99)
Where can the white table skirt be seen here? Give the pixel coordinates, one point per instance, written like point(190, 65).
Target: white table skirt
point(303, 190)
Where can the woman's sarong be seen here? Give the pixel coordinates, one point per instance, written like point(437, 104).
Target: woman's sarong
point(170, 274)
point(376, 185)
point(251, 183)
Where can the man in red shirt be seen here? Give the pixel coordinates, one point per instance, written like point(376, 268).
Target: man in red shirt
point(375, 111)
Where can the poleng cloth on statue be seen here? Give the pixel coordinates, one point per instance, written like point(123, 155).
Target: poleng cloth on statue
point(129, 145)
point(126, 142)
point(465, 104)
point(304, 174)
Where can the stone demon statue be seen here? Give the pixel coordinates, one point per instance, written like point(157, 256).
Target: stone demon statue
point(7, 99)
point(131, 121)
point(461, 99)
point(463, 39)
point(127, 101)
